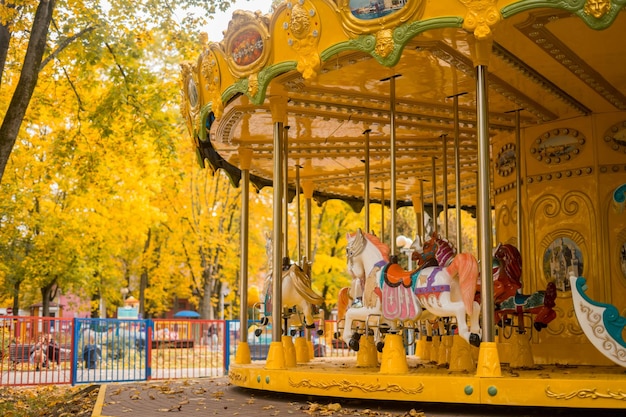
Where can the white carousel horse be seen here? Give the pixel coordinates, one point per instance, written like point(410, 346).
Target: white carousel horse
point(366, 255)
point(298, 298)
point(447, 290)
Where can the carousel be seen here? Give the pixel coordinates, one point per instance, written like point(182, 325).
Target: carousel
point(512, 110)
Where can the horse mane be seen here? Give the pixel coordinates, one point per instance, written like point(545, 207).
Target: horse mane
point(465, 265)
point(445, 251)
point(512, 260)
point(382, 248)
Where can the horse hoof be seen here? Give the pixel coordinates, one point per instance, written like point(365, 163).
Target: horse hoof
point(539, 326)
point(320, 332)
point(258, 332)
point(293, 332)
point(354, 344)
point(337, 335)
point(474, 340)
point(356, 336)
point(380, 346)
point(265, 321)
point(429, 338)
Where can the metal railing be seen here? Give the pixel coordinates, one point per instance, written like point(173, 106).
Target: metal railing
point(38, 351)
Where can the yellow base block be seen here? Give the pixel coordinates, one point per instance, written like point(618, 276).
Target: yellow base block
point(394, 358)
point(242, 356)
point(488, 361)
point(367, 356)
point(290, 352)
point(275, 356)
point(302, 350)
point(523, 354)
point(434, 348)
point(461, 355)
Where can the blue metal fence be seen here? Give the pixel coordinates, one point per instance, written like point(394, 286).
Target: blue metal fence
point(84, 350)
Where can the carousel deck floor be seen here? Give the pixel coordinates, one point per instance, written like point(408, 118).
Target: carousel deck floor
point(543, 385)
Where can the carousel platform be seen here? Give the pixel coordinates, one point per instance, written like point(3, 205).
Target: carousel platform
point(542, 386)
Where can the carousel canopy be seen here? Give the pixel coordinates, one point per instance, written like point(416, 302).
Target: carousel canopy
point(340, 73)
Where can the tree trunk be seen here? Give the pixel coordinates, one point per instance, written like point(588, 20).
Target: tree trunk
point(27, 82)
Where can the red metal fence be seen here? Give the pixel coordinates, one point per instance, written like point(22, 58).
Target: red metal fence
point(36, 350)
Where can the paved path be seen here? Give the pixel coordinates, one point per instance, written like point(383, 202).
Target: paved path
point(217, 397)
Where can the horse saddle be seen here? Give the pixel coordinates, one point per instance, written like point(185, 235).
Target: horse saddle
point(395, 275)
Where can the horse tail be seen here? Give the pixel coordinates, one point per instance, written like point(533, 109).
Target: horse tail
point(343, 301)
point(466, 266)
point(302, 284)
point(550, 295)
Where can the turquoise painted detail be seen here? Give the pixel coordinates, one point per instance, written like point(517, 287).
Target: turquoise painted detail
point(492, 391)
point(613, 322)
point(619, 195)
point(469, 390)
point(575, 6)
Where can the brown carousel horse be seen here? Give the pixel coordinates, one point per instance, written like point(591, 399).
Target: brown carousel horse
point(508, 298)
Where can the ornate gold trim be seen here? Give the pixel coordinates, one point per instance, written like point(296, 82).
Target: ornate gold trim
point(586, 393)
point(505, 164)
point(411, 10)
point(247, 43)
point(237, 376)
point(558, 152)
point(615, 137)
point(535, 29)
point(348, 386)
point(303, 26)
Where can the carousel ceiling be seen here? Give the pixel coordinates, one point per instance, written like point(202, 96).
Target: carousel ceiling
point(544, 65)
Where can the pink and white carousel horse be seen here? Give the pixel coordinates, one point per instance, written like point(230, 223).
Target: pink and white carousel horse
point(361, 303)
point(449, 289)
point(397, 295)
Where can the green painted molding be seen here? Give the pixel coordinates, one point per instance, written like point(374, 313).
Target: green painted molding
point(401, 36)
point(575, 6)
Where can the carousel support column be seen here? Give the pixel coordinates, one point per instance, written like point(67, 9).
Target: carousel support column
point(444, 139)
point(422, 208)
point(285, 200)
point(276, 353)
point(393, 174)
point(366, 185)
point(488, 360)
point(434, 179)
point(394, 357)
point(419, 216)
point(298, 218)
point(457, 173)
point(243, 350)
point(518, 178)
point(304, 346)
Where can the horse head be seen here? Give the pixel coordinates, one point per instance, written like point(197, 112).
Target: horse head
point(507, 272)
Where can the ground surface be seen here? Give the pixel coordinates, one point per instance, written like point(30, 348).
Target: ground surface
point(215, 396)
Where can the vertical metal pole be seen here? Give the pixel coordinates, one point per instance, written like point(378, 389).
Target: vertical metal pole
point(366, 185)
point(392, 157)
point(299, 237)
point(484, 206)
point(445, 185)
point(382, 213)
point(434, 178)
point(277, 261)
point(422, 211)
point(285, 202)
point(457, 175)
point(518, 178)
point(245, 217)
